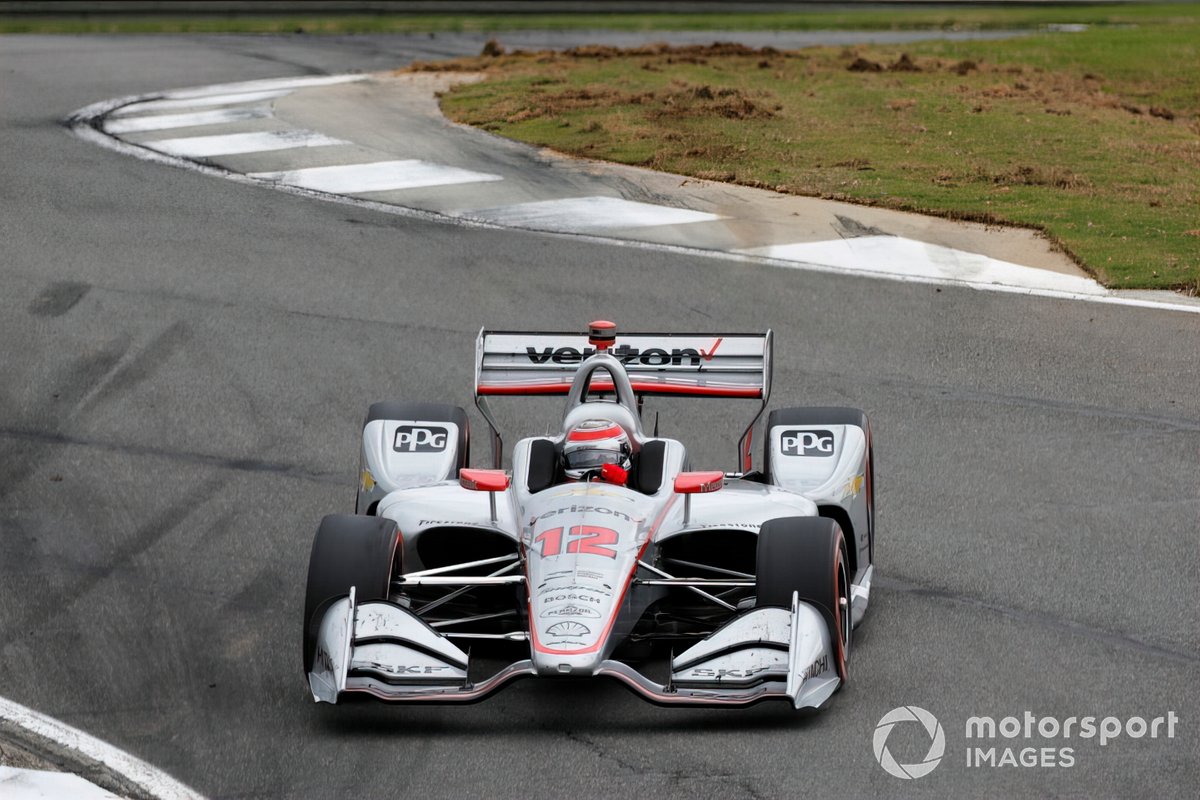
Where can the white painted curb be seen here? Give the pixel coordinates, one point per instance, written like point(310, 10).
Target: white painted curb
point(87, 124)
point(76, 746)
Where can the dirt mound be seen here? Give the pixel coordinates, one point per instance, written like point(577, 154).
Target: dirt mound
point(679, 101)
point(861, 64)
point(1039, 176)
point(686, 51)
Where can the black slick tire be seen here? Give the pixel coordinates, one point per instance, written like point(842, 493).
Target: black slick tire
point(347, 551)
point(807, 555)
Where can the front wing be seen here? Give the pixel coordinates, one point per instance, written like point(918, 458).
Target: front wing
point(382, 650)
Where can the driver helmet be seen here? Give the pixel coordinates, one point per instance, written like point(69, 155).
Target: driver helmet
point(592, 444)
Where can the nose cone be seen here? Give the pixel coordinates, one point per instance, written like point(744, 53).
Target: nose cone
point(571, 621)
point(578, 573)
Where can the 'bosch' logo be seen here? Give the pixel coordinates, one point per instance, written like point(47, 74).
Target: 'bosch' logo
point(420, 439)
point(807, 443)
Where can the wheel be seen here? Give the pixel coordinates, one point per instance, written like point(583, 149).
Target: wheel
point(347, 551)
point(807, 555)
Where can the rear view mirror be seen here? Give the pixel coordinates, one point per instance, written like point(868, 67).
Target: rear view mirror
point(699, 482)
point(483, 480)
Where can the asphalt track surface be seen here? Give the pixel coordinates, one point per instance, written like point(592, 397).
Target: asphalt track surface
point(186, 362)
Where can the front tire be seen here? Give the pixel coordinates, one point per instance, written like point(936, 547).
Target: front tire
point(347, 551)
point(807, 555)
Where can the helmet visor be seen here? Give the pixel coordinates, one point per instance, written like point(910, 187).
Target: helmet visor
point(591, 458)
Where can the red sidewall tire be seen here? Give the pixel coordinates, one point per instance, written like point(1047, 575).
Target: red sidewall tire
point(807, 556)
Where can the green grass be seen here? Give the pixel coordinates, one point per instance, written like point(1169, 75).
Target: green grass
point(1067, 132)
point(951, 18)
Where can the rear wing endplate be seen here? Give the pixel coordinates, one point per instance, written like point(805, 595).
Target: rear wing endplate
point(725, 365)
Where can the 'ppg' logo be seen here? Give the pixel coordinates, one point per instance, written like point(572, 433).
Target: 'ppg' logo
point(807, 443)
point(420, 439)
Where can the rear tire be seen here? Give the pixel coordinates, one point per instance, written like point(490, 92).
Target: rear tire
point(807, 555)
point(347, 551)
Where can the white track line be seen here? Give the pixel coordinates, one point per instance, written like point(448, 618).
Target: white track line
point(154, 781)
point(380, 176)
point(229, 144)
point(162, 122)
point(200, 102)
point(82, 123)
point(587, 213)
point(907, 258)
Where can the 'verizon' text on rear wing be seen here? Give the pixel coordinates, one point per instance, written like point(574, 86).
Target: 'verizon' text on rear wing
point(726, 365)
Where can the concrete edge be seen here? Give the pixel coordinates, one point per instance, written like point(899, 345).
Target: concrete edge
point(73, 751)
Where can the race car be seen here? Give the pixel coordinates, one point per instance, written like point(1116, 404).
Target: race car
point(600, 553)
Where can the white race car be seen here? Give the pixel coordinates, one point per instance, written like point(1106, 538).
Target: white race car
point(600, 553)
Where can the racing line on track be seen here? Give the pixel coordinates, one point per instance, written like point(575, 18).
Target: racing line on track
point(893, 584)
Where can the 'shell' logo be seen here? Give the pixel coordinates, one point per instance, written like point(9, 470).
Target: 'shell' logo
point(807, 443)
point(420, 439)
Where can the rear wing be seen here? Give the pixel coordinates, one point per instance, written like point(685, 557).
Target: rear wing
point(726, 365)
